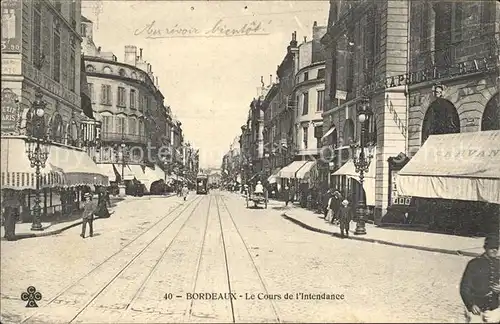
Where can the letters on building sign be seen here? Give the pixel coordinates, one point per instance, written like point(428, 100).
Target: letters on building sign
point(469, 153)
point(396, 199)
point(434, 73)
point(10, 111)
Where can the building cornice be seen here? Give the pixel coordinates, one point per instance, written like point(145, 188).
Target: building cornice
point(311, 82)
point(311, 66)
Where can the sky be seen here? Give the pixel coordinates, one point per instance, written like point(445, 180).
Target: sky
point(207, 75)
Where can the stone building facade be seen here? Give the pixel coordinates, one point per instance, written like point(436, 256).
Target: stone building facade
point(41, 49)
point(425, 67)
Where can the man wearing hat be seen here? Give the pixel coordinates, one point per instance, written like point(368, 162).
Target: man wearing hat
point(89, 210)
point(345, 218)
point(480, 287)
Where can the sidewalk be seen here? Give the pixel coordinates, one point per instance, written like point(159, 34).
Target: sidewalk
point(24, 231)
point(442, 243)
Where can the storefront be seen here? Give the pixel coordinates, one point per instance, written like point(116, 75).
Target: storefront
point(456, 170)
point(67, 172)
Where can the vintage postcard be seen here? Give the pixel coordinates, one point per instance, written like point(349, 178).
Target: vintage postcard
point(250, 161)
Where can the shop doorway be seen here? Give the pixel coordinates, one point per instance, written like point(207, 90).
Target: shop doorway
point(491, 115)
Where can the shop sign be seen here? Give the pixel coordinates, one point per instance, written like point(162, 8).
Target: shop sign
point(50, 85)
point(10, 111)
point(484, 64)
point(11, 66)
point(11, 26)
point(395, 198)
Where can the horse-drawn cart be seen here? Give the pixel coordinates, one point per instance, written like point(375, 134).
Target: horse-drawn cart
point(257, 198)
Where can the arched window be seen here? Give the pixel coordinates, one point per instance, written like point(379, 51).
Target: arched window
point(441, 118)
point(107, 70)
point(491, 115)
point(90, 68)
point(133, 75)
point(72, 133)
point(348, 132)
point(122, 73)
point(57, 129)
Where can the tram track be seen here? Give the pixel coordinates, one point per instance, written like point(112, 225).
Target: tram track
point(64, 297)
point(240, 309)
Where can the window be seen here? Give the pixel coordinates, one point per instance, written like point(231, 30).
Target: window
point(132, 126)
point(106, 124)
point(318, 133)
point(305, 135)
point(121, 97)
point(72, 73)
point(321, 100)
point(141, 127)
point(84, 30)
point(321, 74)
point(120, 125)
point(106, 94)
point(132, 98)
point(306, 76)
point(305, 104)
point(37, 33)
point(92, 92)
point(458, 15)
point(56, 66)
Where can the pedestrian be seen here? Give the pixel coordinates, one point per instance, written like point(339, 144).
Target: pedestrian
point(345, 216)
point(185, 192)
point(286, 195)
point(103, 203)
point(335, 205)
point(89, 210)
point(10, 204)
point(326, 203)
point(479, 287)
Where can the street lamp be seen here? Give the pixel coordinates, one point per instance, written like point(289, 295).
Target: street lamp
point(37, 150)
point(122, 145)
point(361, 162)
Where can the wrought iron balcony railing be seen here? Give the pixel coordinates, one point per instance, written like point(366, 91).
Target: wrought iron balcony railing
point(125, 137)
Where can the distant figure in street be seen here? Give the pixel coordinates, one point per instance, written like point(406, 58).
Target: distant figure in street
point(326, 203)
point(185, 192)
point(10, 204)
point(286, 195)
point(345, 217)
point(103, 203)
point(335, 205)
point(259, 189)
point(480, 286)
point(89, 210)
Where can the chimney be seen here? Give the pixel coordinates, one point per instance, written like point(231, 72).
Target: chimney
point(130, 55)
point(157, 81)
point(294, 36)
point(140, 53)
point(270, 79)
point(305, 39)
point(315, 24)
point(99, 49)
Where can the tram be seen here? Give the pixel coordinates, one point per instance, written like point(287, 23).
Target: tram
point(202, 184)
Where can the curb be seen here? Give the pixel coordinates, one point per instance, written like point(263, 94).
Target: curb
point(364, 239)
point(57, 231)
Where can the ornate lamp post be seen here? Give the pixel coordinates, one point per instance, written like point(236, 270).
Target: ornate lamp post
point(37, 150)
point(362, 163)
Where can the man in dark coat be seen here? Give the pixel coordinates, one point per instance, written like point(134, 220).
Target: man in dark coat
point(10, 203)
point(89, 210)
point(345, 216)
point(480, 286)
point(335, 205)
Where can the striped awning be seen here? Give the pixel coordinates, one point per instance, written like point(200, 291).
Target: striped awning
point(64, 167)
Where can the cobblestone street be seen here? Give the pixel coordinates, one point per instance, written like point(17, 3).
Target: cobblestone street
point(152, 254)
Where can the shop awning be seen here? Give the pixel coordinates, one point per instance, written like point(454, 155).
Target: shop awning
point(79, 169)
point(108, 170)
point(290, 170)
point(328, 133)
point(136, 171)
point(349, 170)
point(462, 166)
point(304, 171)
point(16, 171)
point(152, 175)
